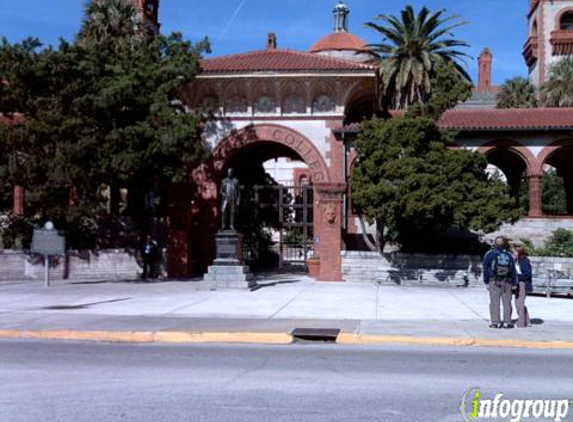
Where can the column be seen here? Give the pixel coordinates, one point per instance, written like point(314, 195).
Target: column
point(535, 192)
point(328, 229)
point(19, 196)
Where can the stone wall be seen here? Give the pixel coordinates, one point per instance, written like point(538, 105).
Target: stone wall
point(370, 267)
point(81, 266)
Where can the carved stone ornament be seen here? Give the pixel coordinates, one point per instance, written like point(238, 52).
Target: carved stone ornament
point(265, 104)
point(330, 214)
point(323, 104)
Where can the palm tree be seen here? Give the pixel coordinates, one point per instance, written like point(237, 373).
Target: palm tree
point(517, 93)
point(105, 19)
point(412, 47)
point(558, 90)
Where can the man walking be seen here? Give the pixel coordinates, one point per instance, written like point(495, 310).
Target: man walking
point(500, 277)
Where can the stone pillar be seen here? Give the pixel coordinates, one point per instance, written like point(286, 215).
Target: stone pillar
point(328, 229)
point(19, 196)
point(535, 191)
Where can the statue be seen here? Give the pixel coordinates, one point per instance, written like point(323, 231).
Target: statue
point(231, 197)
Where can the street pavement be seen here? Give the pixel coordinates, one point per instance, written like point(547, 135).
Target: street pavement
point(279, 305)
point(86, 382)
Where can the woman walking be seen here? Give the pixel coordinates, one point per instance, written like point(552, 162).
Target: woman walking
point(524, 276)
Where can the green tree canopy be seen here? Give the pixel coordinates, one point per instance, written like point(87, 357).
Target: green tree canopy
point(558, 90)
point(412, 185)
point(449, 88)
point(105, 110)
point(413, 46)
point(517, 93)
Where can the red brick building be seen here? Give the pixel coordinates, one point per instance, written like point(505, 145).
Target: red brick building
point(307, 105)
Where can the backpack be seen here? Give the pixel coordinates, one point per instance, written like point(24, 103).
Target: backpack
point(501, 266)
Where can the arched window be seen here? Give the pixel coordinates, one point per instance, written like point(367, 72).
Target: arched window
point(534, 29)
point(567, 22)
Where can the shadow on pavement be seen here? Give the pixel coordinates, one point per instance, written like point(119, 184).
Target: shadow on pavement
point(82, 306)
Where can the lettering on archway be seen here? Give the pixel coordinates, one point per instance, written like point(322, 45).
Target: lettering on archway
point(273, 133)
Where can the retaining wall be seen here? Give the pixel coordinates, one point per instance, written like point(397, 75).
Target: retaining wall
point(371, 267)
point(81, 266)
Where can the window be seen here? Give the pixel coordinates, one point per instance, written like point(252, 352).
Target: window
point(567, 22)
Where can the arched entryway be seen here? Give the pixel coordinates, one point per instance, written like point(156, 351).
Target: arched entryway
point(516, 164)
point(557, 158)
point(246, 151)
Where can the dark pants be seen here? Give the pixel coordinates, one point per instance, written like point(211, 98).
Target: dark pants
point(148, 268)
point(500, 291)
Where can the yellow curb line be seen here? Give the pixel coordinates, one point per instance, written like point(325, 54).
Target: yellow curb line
point(358, 339)
point(182, 337)
point(151, 337)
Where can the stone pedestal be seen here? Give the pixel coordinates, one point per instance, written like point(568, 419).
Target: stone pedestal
point(229, 270)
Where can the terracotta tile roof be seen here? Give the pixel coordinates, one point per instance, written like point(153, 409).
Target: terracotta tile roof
point(338, 41)
point(278, 60)
point(508, 119)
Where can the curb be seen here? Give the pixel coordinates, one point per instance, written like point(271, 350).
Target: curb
point(151, 337)
point(358, 339)
point(183, 337)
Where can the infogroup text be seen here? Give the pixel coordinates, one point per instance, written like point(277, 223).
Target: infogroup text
point(475, 408)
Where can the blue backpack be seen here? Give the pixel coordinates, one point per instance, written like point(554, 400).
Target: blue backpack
point(501, 266)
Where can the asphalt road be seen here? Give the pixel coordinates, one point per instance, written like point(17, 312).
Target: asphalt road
point(77, 382)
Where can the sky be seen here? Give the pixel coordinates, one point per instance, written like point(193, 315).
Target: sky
point(235, 26)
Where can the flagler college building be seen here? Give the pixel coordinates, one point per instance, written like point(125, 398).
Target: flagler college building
point(307, 106)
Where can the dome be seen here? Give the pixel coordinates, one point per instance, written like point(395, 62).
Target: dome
point(338, 41)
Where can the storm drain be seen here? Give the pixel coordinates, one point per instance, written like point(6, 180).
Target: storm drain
point(315, 335)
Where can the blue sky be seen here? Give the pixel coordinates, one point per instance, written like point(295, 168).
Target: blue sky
point(498, 24)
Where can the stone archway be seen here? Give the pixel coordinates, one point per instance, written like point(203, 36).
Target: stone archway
point(515, 161)
point(559, 155)
point(198, 222)
point(283, 135)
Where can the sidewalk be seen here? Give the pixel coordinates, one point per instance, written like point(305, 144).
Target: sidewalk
point(179, 312)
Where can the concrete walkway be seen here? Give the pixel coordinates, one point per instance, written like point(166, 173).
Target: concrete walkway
point(365, 313)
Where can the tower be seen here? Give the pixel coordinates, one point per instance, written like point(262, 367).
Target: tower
point(550, 36)
point(341, 12)
point(484, 71)
point(149, 12)
point(341, 43)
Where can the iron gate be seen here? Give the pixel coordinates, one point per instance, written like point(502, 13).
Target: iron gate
point(292, 231)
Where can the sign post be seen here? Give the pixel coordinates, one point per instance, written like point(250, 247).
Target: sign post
point(47, 241)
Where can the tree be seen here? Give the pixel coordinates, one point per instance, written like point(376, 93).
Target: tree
point(413, 187)
point(104, 112)
point(517, 93)
point(412, 48)
point(109, 19)
point(449, 88)
point(558, 90)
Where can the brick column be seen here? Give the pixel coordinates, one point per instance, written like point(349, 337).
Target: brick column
point(535, 191)
point(19, 195)
point(328, 229)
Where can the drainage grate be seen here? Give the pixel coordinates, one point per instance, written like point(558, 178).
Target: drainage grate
point(318, 335)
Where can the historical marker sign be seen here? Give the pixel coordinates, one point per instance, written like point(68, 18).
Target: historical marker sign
point(48, 242)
